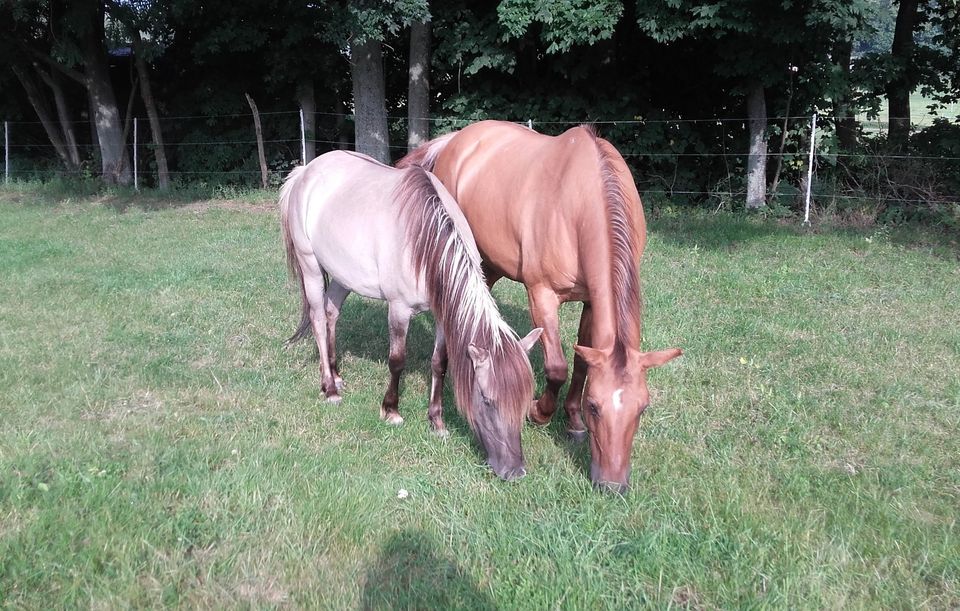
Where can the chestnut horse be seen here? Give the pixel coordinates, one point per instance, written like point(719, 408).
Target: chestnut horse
point(562, 215)
point(352, 224)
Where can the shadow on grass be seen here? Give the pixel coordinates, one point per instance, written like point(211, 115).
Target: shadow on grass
point(362, 332)
point(729, 231)
point(411, 573)
point(714, 231)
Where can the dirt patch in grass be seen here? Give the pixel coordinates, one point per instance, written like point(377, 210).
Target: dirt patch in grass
point(231, 204)
point(259, 590)
point(686, 597)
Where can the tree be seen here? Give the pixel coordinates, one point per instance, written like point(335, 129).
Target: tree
point(72, 43)
point(32, 76)
point(369, 99)
point(60, 131)
point(137, 17)
point(902, 80)
point(363, 26)
point(755, 41)
point(418, 97)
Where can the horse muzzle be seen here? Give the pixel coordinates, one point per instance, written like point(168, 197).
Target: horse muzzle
point(605, 483)
point(509, 473)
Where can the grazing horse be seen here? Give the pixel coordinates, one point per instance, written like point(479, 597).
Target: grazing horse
point(352, 224)
point(562, 215)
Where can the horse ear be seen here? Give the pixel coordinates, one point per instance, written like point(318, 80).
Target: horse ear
point(530, 339)
point(660, 357)
point(592, 356)
point(479, 356)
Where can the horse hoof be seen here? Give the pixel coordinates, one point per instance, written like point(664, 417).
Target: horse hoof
point(577, 436)
point(335, 399)
point(393, 418)
point(442, 433)
point(536, 417)
point(339, 383)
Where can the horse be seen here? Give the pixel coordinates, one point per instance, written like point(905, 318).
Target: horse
point(562, 215)
point(352, 224)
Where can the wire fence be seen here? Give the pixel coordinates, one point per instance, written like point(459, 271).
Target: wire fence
point(702, 159)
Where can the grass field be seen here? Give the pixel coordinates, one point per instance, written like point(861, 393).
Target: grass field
point(159, 446)
point(920, 115)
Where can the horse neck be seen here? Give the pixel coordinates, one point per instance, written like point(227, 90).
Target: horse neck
point(612, 324)
point(448, 265)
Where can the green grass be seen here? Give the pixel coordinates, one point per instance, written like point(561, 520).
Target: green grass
point(158, 446)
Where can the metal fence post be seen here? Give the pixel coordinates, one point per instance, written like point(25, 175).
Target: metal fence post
point(303, 140)
point(530, 123)
point(6, 152)
point(813, 139)
point(136, 181)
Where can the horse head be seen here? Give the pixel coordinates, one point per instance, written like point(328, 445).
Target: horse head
point(501, 391)
point(613, 400)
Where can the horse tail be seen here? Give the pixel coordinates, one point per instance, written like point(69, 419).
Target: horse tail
point(293, 265)
point(426, 155)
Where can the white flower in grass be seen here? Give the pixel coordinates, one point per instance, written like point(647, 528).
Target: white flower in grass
point(402, 493)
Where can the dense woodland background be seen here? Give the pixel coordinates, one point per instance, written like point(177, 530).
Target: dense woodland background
point(709, 101)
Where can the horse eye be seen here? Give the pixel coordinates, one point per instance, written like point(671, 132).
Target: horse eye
point(594, 409)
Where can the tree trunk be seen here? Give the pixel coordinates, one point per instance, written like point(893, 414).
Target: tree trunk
point(42, 108)
point(113, 151)
point(901, 84)
point(757, 160)
point(308, 105)
point(63, 115)
point(128, 115)
point(784, 131)
point(146, 92)
point(260, 153)
point(418, 95)
point(846, 122)
point(342, 126)
point(369, 100)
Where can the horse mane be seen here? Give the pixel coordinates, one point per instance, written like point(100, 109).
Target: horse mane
point(460, 300)
point(625, 255)
point(426, 154)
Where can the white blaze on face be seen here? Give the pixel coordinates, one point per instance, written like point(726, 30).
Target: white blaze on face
point(617, 399)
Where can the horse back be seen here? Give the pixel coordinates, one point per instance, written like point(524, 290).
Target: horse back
point(534, 202)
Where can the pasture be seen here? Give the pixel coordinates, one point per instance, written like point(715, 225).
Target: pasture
point(159, 446)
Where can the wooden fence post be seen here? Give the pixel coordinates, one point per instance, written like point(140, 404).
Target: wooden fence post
point(256, 124)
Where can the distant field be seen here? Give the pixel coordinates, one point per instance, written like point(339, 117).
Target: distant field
point(159, 446)
point(920, 114)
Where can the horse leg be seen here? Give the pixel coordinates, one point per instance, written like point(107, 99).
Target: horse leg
point(336, 293)
point(399, 319)
point(315, 292)
point(575, 426)
point(438, 367)
point(544, 308)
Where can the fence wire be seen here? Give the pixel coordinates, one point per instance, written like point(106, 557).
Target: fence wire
point(221, 148)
